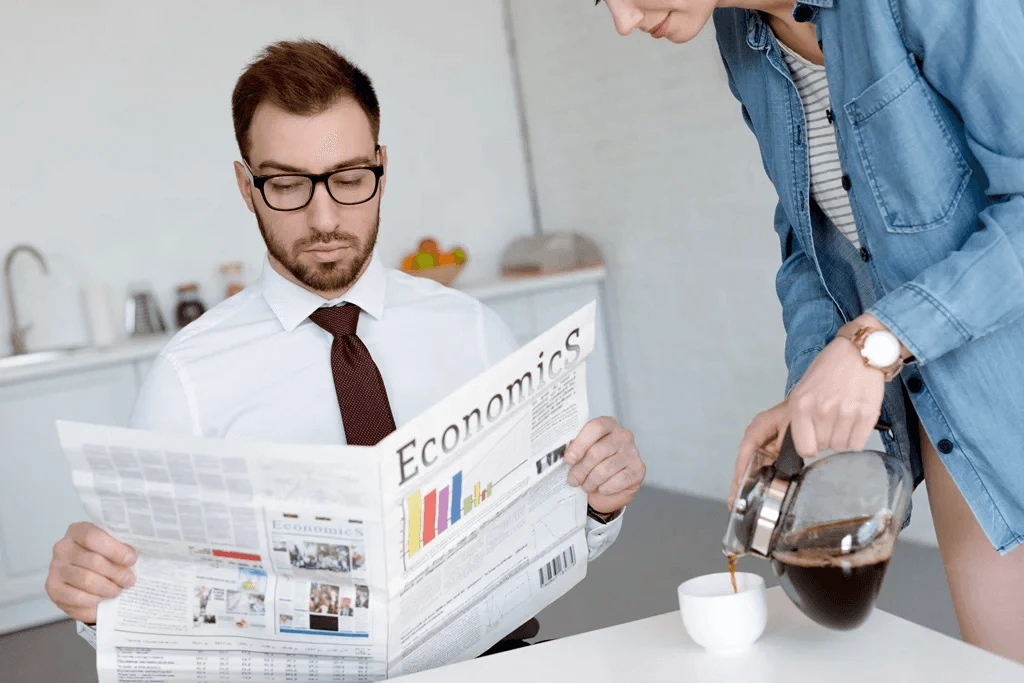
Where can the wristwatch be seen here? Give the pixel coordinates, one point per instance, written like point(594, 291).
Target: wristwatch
point(880, 349)
point(602, 517)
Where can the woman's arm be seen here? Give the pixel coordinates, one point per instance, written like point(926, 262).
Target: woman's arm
point(972, 53)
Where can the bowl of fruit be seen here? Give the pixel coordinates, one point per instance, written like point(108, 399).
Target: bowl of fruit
point(430, 261)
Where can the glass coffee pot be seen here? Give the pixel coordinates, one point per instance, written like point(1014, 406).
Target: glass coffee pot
point(828, 527)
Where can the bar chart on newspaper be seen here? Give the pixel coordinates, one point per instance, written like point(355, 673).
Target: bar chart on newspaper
point(440, 508)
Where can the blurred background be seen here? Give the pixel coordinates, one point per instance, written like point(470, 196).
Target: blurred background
point(509, 124)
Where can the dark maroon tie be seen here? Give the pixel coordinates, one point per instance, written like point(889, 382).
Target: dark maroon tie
point(362, 397)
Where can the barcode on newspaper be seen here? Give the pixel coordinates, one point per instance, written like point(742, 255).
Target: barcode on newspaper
point(550, 459)
point(557, 566)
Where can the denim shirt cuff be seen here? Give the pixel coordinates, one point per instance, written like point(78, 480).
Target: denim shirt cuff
point(925, 326)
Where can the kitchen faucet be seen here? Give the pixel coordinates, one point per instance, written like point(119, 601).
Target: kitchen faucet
point(17, 331)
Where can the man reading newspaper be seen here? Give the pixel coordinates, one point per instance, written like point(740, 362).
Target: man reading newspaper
point(328, 346)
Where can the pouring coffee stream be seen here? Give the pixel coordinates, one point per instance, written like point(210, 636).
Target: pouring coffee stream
point(828, 527)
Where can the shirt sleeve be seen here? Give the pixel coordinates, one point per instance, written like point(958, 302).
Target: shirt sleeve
point(601, 536)
point(163, 403)
point(972, 53)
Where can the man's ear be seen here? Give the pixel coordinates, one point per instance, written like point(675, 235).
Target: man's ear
point(244, 186)
point(384, 163)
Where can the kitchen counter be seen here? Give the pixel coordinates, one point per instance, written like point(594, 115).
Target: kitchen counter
point(84, 358)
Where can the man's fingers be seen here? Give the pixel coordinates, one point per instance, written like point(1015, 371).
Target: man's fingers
point(632, 475)
point(598, 452)
point(592, 432)
point(123, 576)
point(91, 537)
point(605, 470)
point(89, 582)
point(80, 606)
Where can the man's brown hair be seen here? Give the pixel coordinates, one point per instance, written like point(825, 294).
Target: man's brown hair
point(303, 77)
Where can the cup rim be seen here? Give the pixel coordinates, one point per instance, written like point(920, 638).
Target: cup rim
point(752, 583)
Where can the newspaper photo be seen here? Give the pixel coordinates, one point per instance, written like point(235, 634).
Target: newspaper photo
point(290, 562)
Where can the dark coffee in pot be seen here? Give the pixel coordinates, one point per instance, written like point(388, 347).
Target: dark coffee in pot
point(833, 588)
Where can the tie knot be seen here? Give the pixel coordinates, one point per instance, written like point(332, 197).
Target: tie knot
point(338, 320)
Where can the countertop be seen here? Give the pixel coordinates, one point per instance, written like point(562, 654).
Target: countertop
point(124, 351)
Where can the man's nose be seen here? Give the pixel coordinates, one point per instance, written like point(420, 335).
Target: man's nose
point(322, 209)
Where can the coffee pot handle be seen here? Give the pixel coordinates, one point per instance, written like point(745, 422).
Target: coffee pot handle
point(789, 463)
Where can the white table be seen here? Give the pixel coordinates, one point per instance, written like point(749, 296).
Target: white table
point(793, 649)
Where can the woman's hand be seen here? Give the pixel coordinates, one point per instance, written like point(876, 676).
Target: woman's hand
point(837, 403)
point(835, 406)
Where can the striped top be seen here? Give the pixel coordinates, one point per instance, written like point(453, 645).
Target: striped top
point(826, 171)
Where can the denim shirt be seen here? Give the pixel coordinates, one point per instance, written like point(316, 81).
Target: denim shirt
point(928, 108)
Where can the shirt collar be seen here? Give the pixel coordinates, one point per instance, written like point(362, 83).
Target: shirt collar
point(292, 304)
point(757, 27)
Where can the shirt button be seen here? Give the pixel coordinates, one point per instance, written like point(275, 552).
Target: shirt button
point(915, 385)
point(803, 13)
point(946, 446)
point(865, 255)
point(846, 183)
point(829, 116)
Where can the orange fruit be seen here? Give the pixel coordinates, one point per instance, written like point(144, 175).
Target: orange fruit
point(429, 246)
point(446, 260)
point(409, 262)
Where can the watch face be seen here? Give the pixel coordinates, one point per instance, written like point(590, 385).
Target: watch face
point(881, 349)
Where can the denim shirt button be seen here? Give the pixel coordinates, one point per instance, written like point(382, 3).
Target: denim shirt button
point(847, 184)
point(945, 446)
point(865, 255)
point(915, 385)
point(802, 13)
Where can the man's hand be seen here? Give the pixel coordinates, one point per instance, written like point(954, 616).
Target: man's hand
point(604, 460)
point(88, 566)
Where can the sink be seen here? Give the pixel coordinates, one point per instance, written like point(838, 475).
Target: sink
point(41, 356)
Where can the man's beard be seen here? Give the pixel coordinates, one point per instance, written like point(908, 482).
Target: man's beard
point(323, 277)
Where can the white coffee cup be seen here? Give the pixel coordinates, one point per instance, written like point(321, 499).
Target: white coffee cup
point(720, 620)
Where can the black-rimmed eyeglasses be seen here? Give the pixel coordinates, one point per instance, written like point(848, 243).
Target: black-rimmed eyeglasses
point(294, 191)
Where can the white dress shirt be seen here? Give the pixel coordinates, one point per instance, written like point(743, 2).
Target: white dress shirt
point(256, 368)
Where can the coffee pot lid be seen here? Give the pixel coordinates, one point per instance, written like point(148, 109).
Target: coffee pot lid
point(759, 504)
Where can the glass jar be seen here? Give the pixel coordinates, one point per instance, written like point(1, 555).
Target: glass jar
point(190, 307)
point(232, 275)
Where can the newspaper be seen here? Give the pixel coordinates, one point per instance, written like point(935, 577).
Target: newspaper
point(270, 562)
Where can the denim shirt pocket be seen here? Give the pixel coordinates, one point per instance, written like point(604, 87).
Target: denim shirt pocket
point(915, 167)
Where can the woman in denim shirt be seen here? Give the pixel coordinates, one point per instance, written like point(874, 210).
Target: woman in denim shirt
point(893, 132)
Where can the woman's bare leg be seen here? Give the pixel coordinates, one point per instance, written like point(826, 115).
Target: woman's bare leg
point(987, 589)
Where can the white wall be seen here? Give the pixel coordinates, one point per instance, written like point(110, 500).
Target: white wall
point(117, 145)
point(640, 145)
